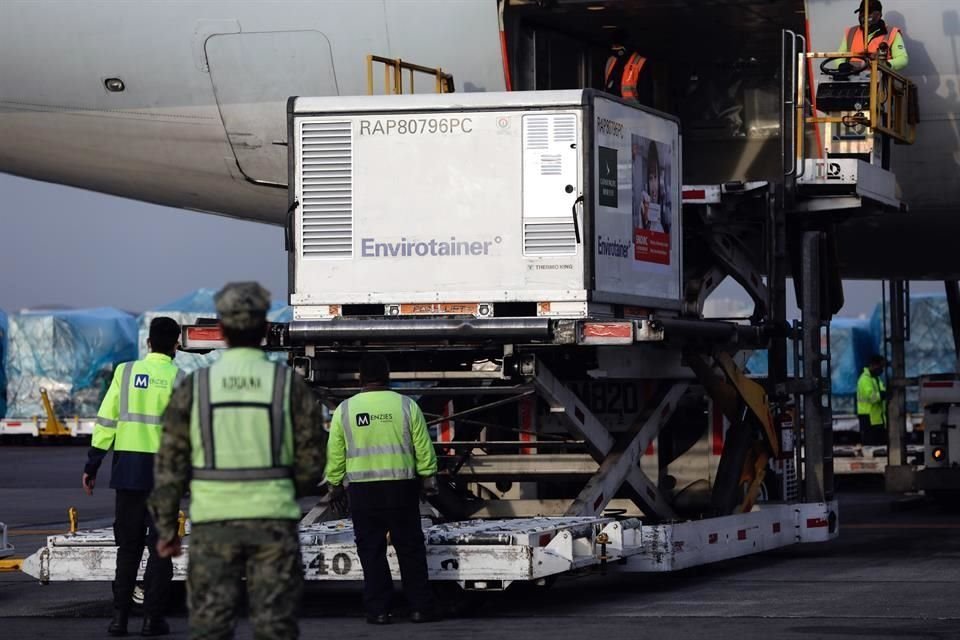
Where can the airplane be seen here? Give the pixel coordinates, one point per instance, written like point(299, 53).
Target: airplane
point(184, 103)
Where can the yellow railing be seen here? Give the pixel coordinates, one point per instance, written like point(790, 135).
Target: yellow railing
point(393, 69)
point(893, 109)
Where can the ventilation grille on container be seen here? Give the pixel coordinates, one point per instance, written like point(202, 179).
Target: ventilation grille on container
point(565, 129)
point(549, 236)
point(326, 190)
point(551, 164)
point(549, 171)
point(538, 132)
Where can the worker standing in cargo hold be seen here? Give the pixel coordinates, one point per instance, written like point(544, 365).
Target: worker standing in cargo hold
point(246, 434)
point(880, 35)
point(871, 403)
point(129, 421)
point(379, 443)
point(624, 73)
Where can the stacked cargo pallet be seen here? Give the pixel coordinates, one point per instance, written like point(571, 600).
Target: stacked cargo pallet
point(72, 354)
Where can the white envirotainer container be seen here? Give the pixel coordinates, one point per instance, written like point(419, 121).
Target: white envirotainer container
point(568, 200)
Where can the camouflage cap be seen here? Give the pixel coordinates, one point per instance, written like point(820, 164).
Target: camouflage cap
point(242, 305)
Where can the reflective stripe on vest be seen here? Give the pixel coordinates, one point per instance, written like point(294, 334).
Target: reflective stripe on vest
point(622, 75)
point(146, 386)
point(855, 40)
point(241, 440)
point(631, 76)
point(276, 412)
point(125, 414)
point(404, 448)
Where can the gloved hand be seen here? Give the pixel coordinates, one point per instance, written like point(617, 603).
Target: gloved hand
point(338, 500)
point(429, 486)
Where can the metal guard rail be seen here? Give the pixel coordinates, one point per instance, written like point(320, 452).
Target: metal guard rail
point(894, 104)
point(393, 69)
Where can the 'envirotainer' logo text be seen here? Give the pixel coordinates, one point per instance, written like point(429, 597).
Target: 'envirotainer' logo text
point(403, 248)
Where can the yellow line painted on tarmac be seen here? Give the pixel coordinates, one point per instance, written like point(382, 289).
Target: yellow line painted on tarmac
point(11, 564)
point(897, 525)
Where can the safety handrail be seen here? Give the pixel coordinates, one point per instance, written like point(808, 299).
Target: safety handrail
point(793, 79)
point(801, 132)
point(788, 79)
point(893, 99)
point(393, 69)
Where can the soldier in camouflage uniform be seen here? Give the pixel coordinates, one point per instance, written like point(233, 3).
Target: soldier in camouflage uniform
point(247, 436)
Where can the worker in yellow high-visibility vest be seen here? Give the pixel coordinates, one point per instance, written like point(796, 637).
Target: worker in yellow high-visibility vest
point(129, 422)
point(380, 445)
point(872, 403)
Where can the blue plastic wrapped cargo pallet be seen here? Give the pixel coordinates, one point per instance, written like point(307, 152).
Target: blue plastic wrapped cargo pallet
point(3, 364)
point(930, 348)
point(71, 354)
point(187, 310)
point(851, 344)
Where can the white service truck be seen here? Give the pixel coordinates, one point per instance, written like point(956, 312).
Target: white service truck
point(939, 477)
point(518, 257)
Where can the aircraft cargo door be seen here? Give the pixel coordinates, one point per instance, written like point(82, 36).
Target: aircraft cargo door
point(253, 74)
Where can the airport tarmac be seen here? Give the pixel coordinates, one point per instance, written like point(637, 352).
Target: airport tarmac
point(893, 573)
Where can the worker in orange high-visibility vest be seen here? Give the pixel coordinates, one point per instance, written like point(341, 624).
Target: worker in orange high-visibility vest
point(880, 34)
point(626, 73)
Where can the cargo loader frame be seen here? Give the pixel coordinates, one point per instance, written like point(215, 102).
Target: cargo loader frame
point(564, 482)
point(602, 466)
point(490, 555)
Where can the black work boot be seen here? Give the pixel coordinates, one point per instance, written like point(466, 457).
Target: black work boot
point(118, 625)
point(378, 618)
point(154, 626)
